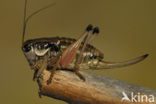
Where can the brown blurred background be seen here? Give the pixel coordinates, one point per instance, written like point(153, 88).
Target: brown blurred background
point(127, 30)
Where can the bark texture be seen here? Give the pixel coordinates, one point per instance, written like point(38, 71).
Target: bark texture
point(96, 89)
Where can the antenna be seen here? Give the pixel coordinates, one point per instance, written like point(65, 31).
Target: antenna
point(25, 20)
point(24, 24)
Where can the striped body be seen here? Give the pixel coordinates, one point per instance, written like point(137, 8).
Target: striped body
point(91, 56)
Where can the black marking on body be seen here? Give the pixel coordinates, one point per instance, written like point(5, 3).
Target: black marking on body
point(64, 43)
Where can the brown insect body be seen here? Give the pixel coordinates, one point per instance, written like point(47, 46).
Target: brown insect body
point(92, 58)
point(91, 55)
point(66, 53)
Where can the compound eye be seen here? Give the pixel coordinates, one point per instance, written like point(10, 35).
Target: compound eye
point(26, 48)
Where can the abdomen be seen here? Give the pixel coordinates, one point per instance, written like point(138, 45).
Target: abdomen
point(91, 55)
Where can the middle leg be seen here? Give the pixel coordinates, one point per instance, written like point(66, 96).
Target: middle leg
point(54, 67)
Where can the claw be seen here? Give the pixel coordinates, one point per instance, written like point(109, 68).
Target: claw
point(40, 94)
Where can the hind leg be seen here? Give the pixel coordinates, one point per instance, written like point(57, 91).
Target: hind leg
point(78, 59)
point(71, 51)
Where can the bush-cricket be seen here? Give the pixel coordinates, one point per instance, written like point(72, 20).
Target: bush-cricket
point(66, 53)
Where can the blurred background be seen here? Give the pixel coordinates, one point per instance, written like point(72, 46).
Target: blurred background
point(127, 30)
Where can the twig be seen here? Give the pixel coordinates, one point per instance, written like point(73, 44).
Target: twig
point(96, 89)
